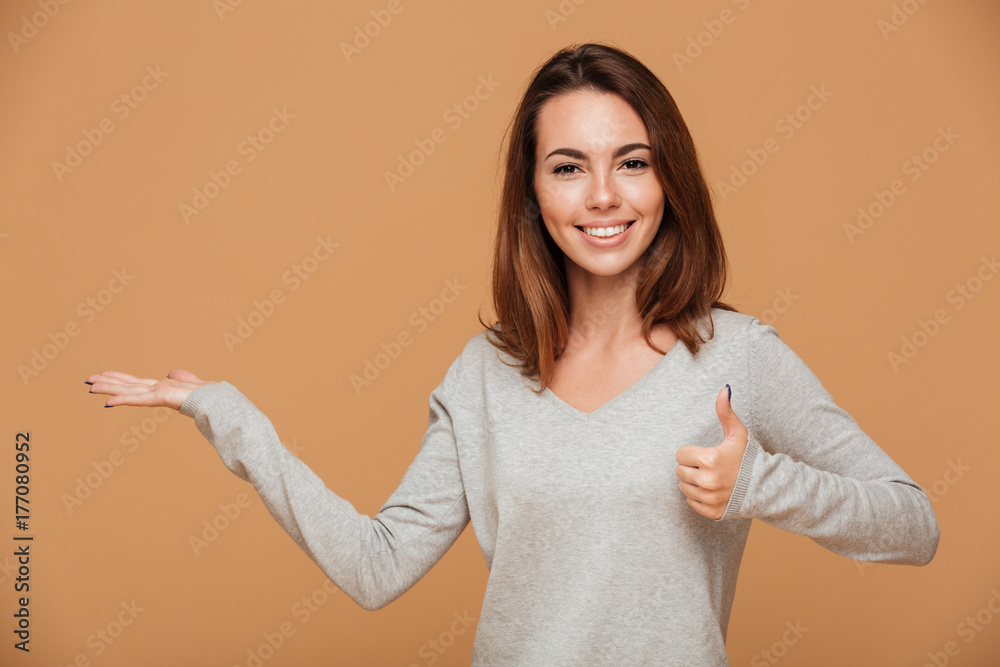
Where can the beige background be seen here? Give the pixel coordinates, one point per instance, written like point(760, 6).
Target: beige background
point(62, 235)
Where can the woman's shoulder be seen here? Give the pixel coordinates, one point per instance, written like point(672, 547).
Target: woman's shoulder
point(479, 363)
point(479, 351)
point(482, 348)
point(731, 324)
point(732, 332)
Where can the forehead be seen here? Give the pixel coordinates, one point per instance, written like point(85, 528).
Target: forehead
point(589, 120)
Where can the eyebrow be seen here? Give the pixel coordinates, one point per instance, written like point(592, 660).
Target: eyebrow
point(580, 155)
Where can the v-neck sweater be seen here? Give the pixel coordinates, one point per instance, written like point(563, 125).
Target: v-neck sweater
point(595, 555)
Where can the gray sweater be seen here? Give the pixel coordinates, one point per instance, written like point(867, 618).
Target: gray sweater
point(595, 557)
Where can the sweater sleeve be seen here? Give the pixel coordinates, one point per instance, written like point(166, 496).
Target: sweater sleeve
point(373, 560)
point(810, 469)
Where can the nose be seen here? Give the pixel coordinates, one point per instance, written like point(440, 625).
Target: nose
point(603, 191)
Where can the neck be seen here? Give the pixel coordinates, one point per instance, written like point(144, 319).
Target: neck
point(602, 309)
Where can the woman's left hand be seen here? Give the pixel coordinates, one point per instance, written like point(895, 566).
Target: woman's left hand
point(708, 474)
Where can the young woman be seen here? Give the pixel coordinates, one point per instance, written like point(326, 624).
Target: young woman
point(612, 435)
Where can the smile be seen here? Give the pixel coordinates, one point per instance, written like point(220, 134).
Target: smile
point(605, 232)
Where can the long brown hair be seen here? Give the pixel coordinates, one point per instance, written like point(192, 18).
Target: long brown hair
point(685, 267)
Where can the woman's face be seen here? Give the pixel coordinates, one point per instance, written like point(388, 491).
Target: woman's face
point(593, 172)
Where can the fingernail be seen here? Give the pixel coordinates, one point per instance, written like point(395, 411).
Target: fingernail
point(109, 406)
point(730, 390)
point(85, 382)
point(90, 391)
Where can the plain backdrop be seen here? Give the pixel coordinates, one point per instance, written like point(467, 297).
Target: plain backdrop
point(170, 170)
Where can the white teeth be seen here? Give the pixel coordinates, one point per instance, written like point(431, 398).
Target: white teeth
point(605, 231)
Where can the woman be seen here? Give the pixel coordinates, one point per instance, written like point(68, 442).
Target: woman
point(611, 502)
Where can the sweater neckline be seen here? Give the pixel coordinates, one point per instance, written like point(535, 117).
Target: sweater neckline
point(610, 403)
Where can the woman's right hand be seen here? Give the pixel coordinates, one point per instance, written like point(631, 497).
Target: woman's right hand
point(127, 389)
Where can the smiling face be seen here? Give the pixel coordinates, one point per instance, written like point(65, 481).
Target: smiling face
point(599, 197)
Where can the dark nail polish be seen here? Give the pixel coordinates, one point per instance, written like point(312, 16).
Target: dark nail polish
point(730, 390)
point(109, 406)
point(85, 382)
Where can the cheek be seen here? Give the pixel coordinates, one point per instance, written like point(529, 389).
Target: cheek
point(646, 197)
point(556, 202)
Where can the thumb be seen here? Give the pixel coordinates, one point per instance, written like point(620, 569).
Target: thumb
point(731, 424)
point(183, 375)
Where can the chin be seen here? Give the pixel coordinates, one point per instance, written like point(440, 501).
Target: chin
point(605, 270)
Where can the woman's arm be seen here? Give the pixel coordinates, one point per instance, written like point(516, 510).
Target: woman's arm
point(373, 560)
point(810, 469)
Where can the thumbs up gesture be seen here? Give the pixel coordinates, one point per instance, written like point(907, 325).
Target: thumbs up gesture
point(708, 474)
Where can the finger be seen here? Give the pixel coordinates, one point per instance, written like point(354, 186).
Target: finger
point(690, 455)
point(706, 488)
point(116, 386)
point(146, 399)
point(697, 457)
point(693, 493)
point(692, 490)
point(710, 508)
point(118, 375)
point(697, 505)
point(710, 511)
point(706, 491)
point(688, 474)
point(103, 377)
point(124, 389)
point(111, 382)
point(183, 375)
point(731, 423)
point(683, 473)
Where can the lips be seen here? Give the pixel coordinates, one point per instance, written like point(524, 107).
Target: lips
point(604, 230)
point(608, 242)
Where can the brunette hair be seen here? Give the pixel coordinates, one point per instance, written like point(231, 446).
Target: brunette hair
point(685, 267)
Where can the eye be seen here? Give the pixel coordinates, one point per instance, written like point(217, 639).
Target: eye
point(636, 163)
point(560, 168)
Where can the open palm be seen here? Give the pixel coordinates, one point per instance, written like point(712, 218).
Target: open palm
point(127, 389)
